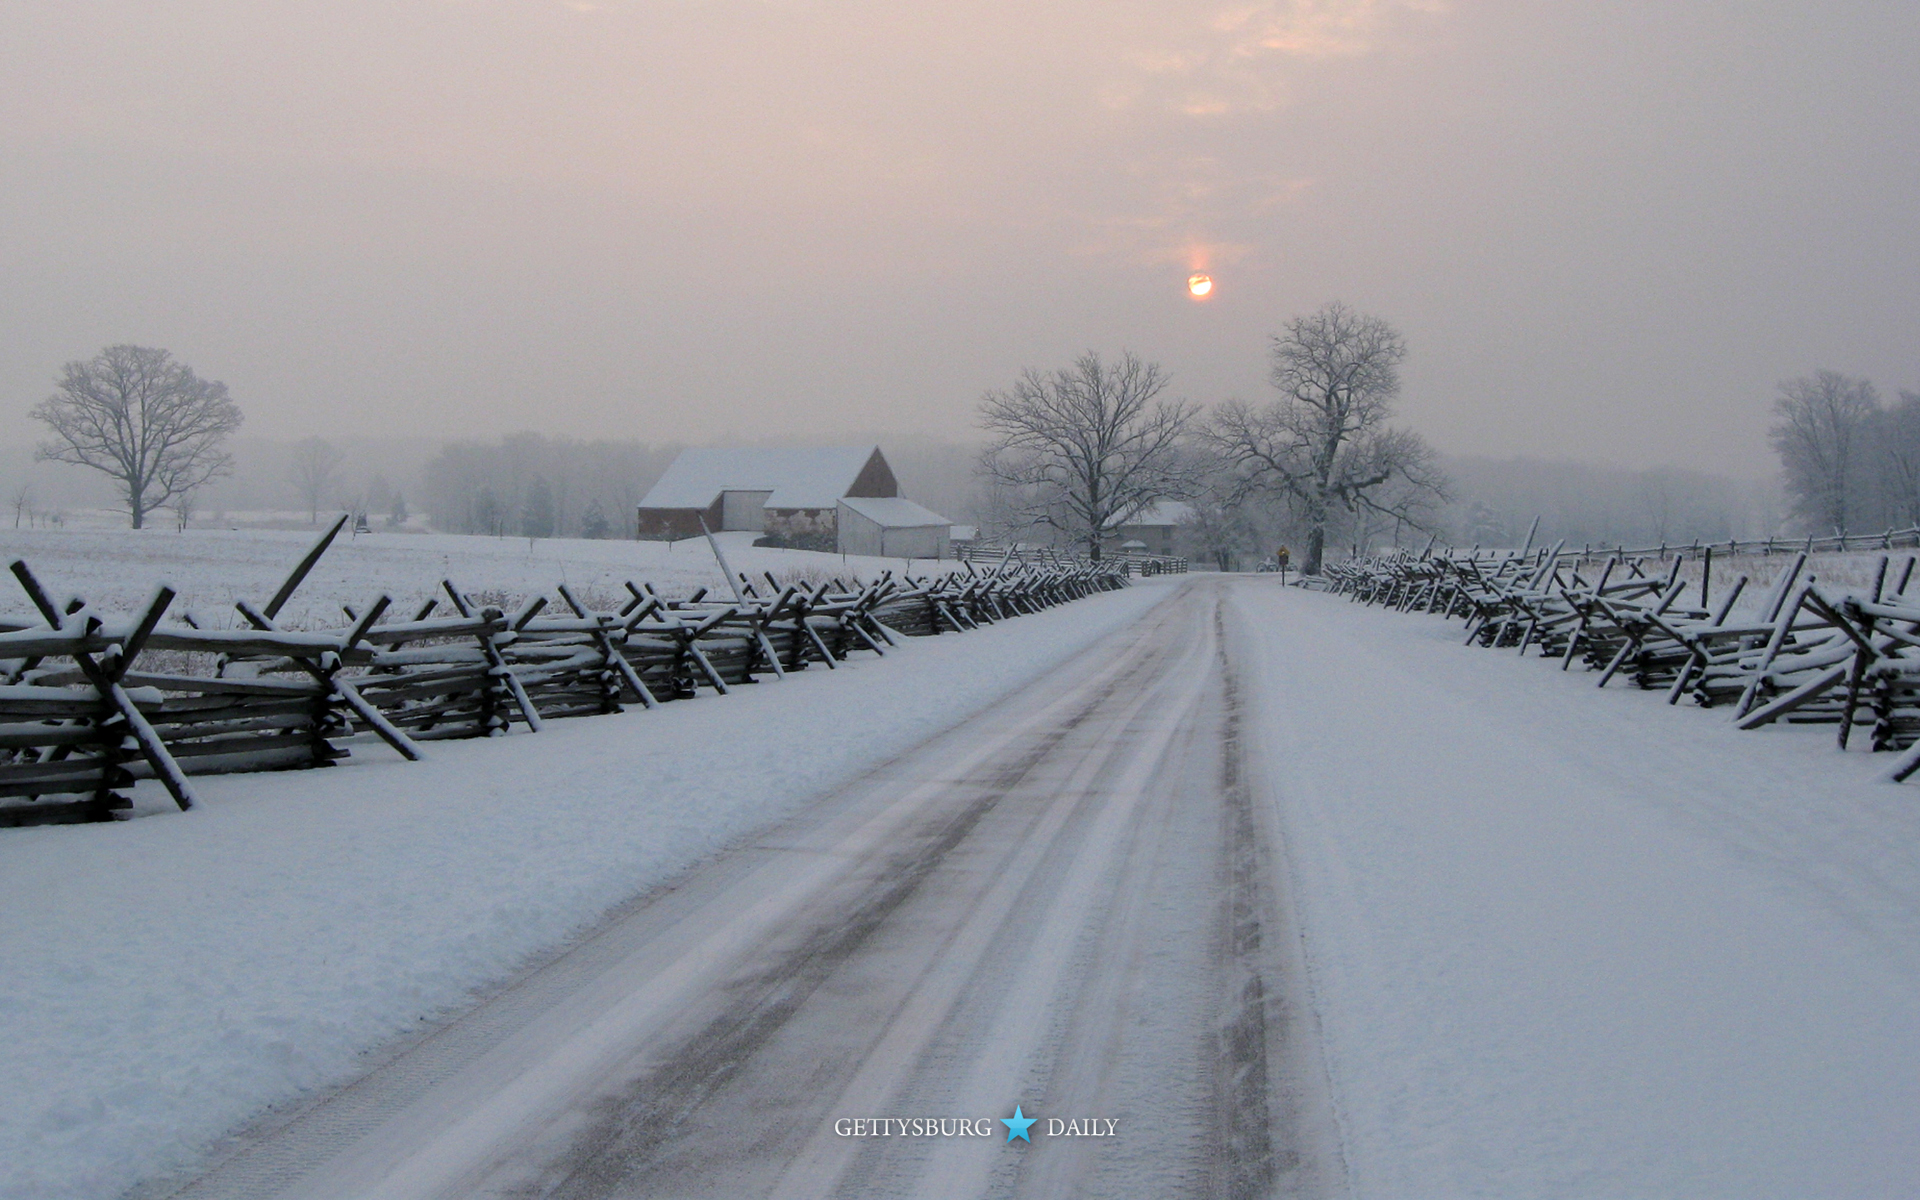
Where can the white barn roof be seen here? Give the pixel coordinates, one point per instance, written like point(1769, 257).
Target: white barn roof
point(798, 478)
point(1163, 512)
point(893, 512)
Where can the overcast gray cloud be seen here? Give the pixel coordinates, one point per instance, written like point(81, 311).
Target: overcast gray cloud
point(1606, 229)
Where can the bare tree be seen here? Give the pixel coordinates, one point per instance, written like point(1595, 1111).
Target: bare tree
point(1899, 441)
point(1657, 502)
point(183, 505)
point(1080, 448)
point(1222, 528)
point(1405, 505)
point(143, 419)
point(315, 462)
point(1325, 446)
point(1820, 433)
point(23, 504)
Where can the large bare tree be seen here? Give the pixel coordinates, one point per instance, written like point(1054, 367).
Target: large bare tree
point(1822, 424)
point(1081, 448)
point(1325, 446)
point(315, 462)
point(142, 418)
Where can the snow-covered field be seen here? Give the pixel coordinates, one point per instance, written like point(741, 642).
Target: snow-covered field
point(1853, 571)
point(118, 569)
point(167, 977)
point(1559, 941)
point(1573, 942)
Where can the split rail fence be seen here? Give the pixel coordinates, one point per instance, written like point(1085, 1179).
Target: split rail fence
point(81, 720)
point(1127, 564)
point(1892, 539)
point(1805, 654)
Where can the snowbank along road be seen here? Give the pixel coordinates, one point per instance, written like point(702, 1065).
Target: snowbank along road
point(1066, 905)
point(1269, 893)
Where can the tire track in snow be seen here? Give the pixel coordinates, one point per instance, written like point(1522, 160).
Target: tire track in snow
point(1068, 901)
point(1243, 1157)
point(1276, 1127)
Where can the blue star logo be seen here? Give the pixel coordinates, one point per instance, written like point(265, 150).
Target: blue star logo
point(1017, 1125)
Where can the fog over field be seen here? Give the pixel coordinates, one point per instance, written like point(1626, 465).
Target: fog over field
point(1607, 232)
point(1113, 598)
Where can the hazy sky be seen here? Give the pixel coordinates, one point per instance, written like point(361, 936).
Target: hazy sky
point(1606, 229)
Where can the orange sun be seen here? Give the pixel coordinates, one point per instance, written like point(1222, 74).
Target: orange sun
point(1201, 286)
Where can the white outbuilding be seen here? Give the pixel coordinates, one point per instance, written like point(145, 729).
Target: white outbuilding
point(892, 527)
point(785, 491)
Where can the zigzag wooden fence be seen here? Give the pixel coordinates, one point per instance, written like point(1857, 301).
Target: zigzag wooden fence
point(1805, 654)
point(995, 553)
point(80, 721)
point(1892, 539)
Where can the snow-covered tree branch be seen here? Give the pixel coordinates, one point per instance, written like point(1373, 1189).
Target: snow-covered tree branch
point(1324, 447)
point(1082, 448)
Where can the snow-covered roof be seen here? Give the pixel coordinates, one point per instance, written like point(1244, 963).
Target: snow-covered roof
point(966, 533)
point(812, 477)
point(1162, 512)
point(894, 512)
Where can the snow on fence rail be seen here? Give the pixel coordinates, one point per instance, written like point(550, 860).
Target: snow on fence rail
point(1805, 654)
point(80, 719)
point(1892, 539)
point(1128, 564)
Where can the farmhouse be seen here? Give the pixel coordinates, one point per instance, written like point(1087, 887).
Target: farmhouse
point(815, 498)
point(1153, 527)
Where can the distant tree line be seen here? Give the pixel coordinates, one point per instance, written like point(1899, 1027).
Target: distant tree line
point(531, 485)
point(1850, 464)
point(1497, 500)
point(1076, 453)
point(1322, 467)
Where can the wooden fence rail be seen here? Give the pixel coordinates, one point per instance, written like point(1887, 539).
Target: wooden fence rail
point(994, 553)
point(1804, 653)
point(1891, 539)
point(80, 722)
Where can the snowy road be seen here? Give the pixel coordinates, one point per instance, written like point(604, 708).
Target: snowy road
point(1304, 898)
point(1064, 904)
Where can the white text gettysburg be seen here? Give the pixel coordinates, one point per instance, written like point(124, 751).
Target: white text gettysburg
point(967, 1127)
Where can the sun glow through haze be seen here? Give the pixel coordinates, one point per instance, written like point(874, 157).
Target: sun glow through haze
point(681, 221)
